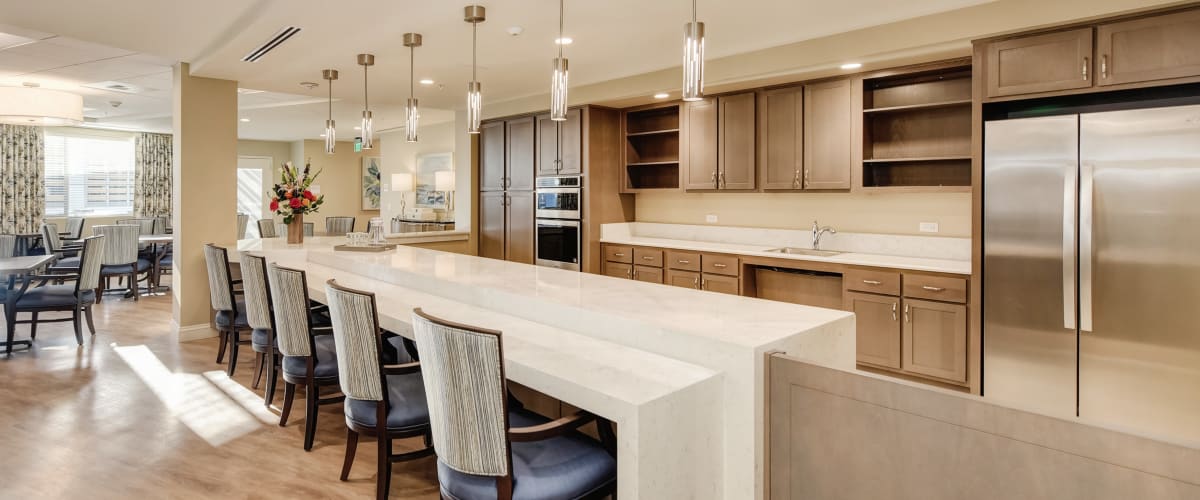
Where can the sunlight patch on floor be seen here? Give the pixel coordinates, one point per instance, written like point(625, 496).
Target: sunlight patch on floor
point(248, 399)
point(199, 404)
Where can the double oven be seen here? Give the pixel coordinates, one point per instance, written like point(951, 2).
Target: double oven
point(559, 213)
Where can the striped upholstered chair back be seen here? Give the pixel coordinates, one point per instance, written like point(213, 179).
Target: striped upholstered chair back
point(50, 238)
point(358, 342)
point(243, 221)
point(338, 226)
point(120, 243)
point(257, 291)
point(308, 228)
point(161, 224)
point(465, 387)
point(289, 298)
point(74, 228)
point(145, 225)
point(90, 259)
point(220, 283)
point(266, 228)
point(8, 245)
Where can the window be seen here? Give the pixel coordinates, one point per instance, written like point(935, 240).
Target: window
point(88, 173)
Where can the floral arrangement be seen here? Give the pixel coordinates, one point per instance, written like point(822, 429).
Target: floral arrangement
point(292, 196)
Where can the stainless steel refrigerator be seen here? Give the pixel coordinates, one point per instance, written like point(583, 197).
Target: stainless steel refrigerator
point(1091, 271)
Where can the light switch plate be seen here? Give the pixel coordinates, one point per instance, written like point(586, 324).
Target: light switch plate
point(929, 227)
point(710, 218)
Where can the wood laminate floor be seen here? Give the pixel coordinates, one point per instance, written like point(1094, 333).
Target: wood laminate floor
point(136, 414)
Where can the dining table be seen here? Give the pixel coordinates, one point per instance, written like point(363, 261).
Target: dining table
point(17, 268)
point(155, 241)
point(26, 242)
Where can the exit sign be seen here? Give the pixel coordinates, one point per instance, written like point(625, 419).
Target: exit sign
point(358, 144)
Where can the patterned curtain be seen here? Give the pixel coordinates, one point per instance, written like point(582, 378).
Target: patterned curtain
point(22, 188)
point(151, 175)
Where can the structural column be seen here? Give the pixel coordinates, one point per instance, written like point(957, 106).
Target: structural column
point(204, 191)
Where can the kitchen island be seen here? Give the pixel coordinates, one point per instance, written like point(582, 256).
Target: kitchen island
point(681, 372)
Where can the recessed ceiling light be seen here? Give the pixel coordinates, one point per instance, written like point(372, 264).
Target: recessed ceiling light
point(851, 65)
point(244, 120)
point(426, 81)
point(566, 40)
point(662, 95)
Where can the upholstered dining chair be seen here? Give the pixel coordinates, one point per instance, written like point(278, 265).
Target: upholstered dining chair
point(308, 351)
point(121, 257)
point(74, 228)
point(66, 256)
point(309, 228)
point(266, 228)
point(338, 226)
point(8, 246)
point(486, 449)
point(384, 401)
point(230, 316)
point(145, 225)
point(243, 220)
point(77, 297)
point(257, 291)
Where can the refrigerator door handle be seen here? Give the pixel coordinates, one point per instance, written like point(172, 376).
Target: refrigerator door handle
point(1085, 246)
point(1070, 202)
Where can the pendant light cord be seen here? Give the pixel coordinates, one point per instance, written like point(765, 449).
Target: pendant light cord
point(560, 28)
point(330, 99)
point(412, 54)
point(693, 12)
point(366, 101)
point(474, 45)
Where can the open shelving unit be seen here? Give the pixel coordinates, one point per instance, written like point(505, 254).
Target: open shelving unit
point(652, 148)
point(917, 130)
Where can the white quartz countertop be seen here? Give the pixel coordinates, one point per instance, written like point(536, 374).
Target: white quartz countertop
point(952, 266)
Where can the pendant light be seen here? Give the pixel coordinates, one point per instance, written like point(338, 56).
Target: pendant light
point(411, 115)
point(558, 81)
point(693, 59)
point(330, 132)
point(368, 121)
point(474, 14)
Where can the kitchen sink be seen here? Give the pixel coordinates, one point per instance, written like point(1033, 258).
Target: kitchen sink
point(804, 251)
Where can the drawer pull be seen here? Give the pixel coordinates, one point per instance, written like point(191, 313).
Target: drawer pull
point(681, 261)
point(933, 288)
point(647, 257)
point(873, 282)
point(619, 254)
point(720, 266)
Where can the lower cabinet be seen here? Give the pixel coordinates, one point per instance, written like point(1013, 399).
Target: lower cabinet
point(720, 284)
point(506, 226)
point(683, 279)
point(935, 339)
point(618, 270)
point(712, 272)
point(878, 320)
point(648, 274)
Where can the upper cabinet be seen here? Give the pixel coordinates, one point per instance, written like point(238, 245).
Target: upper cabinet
point(736, 137)
point(519, 150)
point(1152, 48)
point(781, 138)
point(700, 144)
point(1041, 63)
point(492, 176)
point(560, 144)
point(828, 145)
point(652, 148)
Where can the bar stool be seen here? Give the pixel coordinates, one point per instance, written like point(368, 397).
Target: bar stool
point(266, 228)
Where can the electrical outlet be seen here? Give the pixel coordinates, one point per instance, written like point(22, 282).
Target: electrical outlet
point(710, 218)
point(929, 227)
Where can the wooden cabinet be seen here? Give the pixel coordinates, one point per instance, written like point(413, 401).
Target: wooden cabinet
point(1147, 49)
point(648, 274)
point(810, 288)
point(935, 339)
point(683, 261)
point(721, 273)
point(698, 151)
point(618, 270)
point(1040, 63)
point(719, 264)
point(878, 320)
point(519, 154)
point(873, 281)
point(560, 144)
point(616, 253)
point(721, 284)
point(736, 141)
point(648, 257)
point(492, 205)
point(781, 138)
point(491, 157)
point(683, 279)
point(520, 227)
point(828, 146)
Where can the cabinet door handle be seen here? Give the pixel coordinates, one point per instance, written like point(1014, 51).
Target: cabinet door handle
point(619, 254)
point(720, 265)
point(713, 179)
point(703, 283)
point(933, 288)
point(1104, 66)
point(630, 273)
point(796, 180)
point(1085, 68)
point(721, 182)
point(634, 274)
point(894, 318)
point(697, 282)
point(647, 257)
point(873, 282)
point(681, 261)
point(907, 317)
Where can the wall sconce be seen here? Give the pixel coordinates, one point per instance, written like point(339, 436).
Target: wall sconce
point(444, 181)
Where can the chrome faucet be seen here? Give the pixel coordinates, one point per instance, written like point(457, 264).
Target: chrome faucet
point(819, 231)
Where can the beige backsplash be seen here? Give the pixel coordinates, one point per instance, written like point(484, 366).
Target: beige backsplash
point(898, 213)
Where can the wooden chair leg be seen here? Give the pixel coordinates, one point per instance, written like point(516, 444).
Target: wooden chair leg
point(87, 313)
point(259, 364)
point(133, 283)
point(234, 338)
point(10, 318)
point(273, 374)
point(75, 321)
point(383, 483)
point(33, 327)
point(289, 394)
point(222, 339)
point(351, 447)
point(311, 395)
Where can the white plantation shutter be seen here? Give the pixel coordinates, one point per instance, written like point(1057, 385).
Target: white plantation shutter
point(88, 173)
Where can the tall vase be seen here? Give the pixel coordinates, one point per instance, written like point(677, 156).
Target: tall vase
point(295, 229)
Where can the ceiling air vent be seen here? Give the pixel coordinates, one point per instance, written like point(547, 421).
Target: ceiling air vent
point(282, 36)
point(112, 86)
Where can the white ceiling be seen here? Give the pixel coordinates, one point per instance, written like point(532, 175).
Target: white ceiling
point(613, 39)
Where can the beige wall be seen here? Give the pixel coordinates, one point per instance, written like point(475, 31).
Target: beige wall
point(279, 151)
point(893, 213)
point(399, 155)
point(340, 181)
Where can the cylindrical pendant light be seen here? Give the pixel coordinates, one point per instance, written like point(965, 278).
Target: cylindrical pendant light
point(474, 14)
point(558, 81)
point(411, 115)
point(330, 131)
point(693, 59)
point(368, 121)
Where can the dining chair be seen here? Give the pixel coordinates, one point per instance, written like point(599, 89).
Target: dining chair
point(162, 224)
point(338, 226)
point(257, 292)
point(487, 449)
point(8, 247)
point(309, 228)
point(77, 297)
point(266, 228)
point(243, 220)
point(145, 225)
point(309, 357)
point(75, 228)
point(121, 257)
point(385, 398)
point(230, 316)
point(55, 246)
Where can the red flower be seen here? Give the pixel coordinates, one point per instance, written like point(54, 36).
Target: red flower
point(295, 203)
point(274, 204)
point(308, 194)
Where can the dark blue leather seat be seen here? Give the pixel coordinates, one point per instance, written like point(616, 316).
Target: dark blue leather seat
point(258, 339)
point(224, 318)
point(143, 265)
point(54, 295)
point(296, 367)
point(563, 467)
point(406, 404)
point(67, 262)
